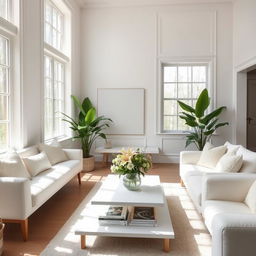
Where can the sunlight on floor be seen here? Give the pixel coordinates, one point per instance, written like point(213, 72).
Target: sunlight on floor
point(64, 250)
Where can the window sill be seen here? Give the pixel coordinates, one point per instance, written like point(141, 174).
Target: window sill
point(58, 139)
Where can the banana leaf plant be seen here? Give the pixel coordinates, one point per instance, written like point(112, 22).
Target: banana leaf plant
point(87, 126)
point(203, 125)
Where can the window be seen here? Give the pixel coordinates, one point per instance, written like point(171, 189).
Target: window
point(54, 97)
point(4, 9)
point(4, 93)
point(180, 82)
point(55, 68)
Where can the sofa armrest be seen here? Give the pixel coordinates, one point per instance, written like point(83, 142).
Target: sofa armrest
point(226, 186)
point(74, 154)
point(234, 235)
point(189, 157)
point(15, 198)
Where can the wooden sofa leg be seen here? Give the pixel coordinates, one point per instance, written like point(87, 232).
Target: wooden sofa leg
point(182, 183)
point(79, 178)
point(24, 229)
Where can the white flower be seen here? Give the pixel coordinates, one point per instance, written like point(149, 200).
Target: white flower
point(130, 166)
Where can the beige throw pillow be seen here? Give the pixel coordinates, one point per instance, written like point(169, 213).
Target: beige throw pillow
point(210, 156)
point(37, 163)
point(250, 199)
point(12, 166)
point(230, 162)
point(54, 154)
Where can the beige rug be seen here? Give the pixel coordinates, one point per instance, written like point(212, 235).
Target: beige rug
point(191, 235)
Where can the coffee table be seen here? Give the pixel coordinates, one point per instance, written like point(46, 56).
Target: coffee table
point(112, 192)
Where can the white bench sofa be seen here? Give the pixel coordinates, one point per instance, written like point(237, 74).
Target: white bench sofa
point(220, 198)
point(20, 197)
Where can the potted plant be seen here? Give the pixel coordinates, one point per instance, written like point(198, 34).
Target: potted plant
point(203, 125)
point(87, 128)
point(131, 164)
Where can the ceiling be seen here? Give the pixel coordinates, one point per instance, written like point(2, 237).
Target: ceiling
point(109, 3)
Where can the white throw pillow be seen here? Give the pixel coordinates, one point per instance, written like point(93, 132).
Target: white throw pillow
point(230, 162)
point(37, 163)
point(250, 199)
point(12, 166)
point(54, 154)
point(210, 156)
point(249, 160)
point(231, 147)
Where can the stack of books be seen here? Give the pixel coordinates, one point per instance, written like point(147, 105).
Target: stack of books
point(115, 215)
point(143, 216)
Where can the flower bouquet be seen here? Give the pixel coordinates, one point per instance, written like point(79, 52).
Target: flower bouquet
point(132, 165)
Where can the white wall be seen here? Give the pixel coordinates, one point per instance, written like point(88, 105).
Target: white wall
point(31, 34)
point(121, 47)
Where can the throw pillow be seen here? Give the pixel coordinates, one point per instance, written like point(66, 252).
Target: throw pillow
point(249, 160)
point(231, 147)
point(210, 157)
point(54, 154)
point(250, 199)
point(37, 163)
point(12, 166)
point(230, 162)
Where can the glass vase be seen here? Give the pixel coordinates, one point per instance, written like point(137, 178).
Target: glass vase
point(132, 181)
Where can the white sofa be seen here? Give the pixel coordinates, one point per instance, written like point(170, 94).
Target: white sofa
point(20, 197)
point(220, 198)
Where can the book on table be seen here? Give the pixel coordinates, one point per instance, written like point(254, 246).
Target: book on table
point(143, 216)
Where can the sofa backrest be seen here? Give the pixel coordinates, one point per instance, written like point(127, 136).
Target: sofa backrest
point(249, 160)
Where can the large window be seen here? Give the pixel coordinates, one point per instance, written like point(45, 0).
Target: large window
point(55, 70)
point(180, 82)
point(4, 9)
point(4, 93)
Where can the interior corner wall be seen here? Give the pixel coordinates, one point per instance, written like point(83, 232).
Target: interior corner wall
point(121, 47)
point(31, 65)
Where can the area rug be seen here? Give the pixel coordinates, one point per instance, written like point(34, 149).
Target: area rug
point(191, 235)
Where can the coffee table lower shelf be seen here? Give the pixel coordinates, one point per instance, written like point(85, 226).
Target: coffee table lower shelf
point(89, 225)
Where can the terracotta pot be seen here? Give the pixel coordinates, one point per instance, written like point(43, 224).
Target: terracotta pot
point(88, 164)
point(1, 237)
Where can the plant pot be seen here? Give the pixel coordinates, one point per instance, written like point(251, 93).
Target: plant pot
point(1, 237)
point(88, 164)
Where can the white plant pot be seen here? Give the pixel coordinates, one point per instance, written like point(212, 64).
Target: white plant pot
point(88, 164)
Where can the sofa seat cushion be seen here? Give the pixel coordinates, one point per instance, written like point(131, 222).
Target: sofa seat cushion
point(212, 208)
point(192, 169)
point(47, 183)
point(194, 189)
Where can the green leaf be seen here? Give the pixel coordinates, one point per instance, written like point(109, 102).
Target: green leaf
point(186, 107)
point(207, 133)
point(191, 123)
point(102, 135)
point(188, 115)
point(87, 105)
point(211, 124)
point(78, 104)
point(91, 115)
point(202, 103)
point(188, 142)
point(221, 124)
point(212, 115)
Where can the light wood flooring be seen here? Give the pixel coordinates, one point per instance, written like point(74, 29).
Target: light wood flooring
point(49, 218)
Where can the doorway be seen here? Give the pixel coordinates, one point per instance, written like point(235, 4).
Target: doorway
point(251, 110)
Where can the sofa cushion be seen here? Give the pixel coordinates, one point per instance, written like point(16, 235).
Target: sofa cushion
point(210, 156)
point(47, 183)
point(30, 151)
point(55, 154)
point(250, 199)
point(230, 162)
point(212, 208)
point(231, 147)
point(192, 169)
point(249, 160)
point(37, 163)
point(11, 165)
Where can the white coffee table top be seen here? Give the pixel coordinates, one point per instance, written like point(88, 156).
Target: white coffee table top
point(113, 192)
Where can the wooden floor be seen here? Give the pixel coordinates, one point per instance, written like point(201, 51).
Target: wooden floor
point(48, 219)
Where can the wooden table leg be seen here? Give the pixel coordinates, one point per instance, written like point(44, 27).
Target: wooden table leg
point(83, 241)
point(166, 247)
point(105, 158)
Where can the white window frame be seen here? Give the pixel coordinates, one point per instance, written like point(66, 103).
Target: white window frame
point(210, 62)
point(61, 56)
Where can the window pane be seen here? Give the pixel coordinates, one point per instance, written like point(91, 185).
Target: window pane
point(47, 67)
point(197, 89)
point(184, 74)
point(170, 123)
point(48, 92)
point(3, 136)
point(48, 13)
point(4, 9)
point(3, 80)
point(199, 74)
point(170, 90)
point(170, 107)
point(184, 90)
point(48, 34)
point(54, 38)
point(3, 107)
point(54, 18)
point(170, 74)
point(181, 125)
point(3, 51)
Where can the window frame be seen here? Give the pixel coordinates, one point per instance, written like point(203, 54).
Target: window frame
point(209, 62)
